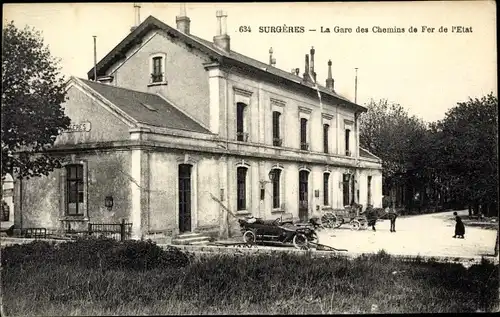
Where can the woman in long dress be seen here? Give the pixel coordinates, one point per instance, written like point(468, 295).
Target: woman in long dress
point(459, 227)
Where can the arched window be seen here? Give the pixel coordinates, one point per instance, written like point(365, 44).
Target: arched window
point(276, 188)
point(345, 189)
point(326, 189)
point(5, 215)
point(241, 184)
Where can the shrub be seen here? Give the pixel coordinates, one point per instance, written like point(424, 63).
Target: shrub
point(100, 253)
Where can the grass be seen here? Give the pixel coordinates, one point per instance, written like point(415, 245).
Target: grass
point(278, 283)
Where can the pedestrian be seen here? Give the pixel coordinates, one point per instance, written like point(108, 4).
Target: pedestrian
point(459, 227)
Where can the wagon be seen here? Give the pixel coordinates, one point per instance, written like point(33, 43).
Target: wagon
point(335, 218)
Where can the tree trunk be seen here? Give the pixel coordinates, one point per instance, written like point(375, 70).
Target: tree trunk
point(496, 244)
point(475, 209)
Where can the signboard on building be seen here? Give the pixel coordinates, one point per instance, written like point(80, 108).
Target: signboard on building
point(79, 127)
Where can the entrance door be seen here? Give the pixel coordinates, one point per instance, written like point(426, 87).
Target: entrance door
point(345, 190)
point(303, 195)
point(184, 198)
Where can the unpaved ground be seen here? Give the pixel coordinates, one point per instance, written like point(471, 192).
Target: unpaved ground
point(426, 235)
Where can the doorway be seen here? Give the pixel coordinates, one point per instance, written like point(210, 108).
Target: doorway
point(345, 189)
point(184, 198)
point(303, 195)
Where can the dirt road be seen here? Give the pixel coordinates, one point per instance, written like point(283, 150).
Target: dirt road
point(429, 235)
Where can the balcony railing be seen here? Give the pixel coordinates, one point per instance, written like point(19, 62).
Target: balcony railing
point(156, 78)
point(242, 136)
point(277, 141)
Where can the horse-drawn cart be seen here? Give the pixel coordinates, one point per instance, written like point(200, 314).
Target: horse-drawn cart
point(334, 218)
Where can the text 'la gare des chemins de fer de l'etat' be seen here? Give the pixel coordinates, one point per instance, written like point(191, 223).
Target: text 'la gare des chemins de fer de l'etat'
point(359, 29)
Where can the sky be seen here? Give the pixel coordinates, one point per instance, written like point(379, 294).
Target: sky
point(426, 72)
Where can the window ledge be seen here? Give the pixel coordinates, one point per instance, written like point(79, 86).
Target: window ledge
point(277, 210)
point(242, 212)
point(74, 218)
point(160, 83)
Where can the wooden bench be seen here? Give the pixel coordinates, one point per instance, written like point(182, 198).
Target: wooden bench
point(476, 217)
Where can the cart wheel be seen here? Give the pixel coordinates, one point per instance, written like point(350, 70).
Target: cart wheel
point(314, 238)
point(363, 224)
point(355, 225)
point(337, 223)
point(300, 241)
point(249, 237)
point(326, 222)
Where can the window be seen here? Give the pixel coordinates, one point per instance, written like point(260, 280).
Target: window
point(276, 188)
point(157, 75)
point(326, 196)
point(303, 190)
point(74, 190)
point(5, 215)
point(276, 128)
point(240, 122)
point(303, 134)
point(345, 189)
point(241, 188)
point(369, 199)
point(326, 128)
point(347, 135)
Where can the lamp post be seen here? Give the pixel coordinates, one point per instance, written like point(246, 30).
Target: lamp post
point(108, 202)
point(272, 177)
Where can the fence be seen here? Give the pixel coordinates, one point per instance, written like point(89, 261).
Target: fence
point(120, 231)
point(36, 233)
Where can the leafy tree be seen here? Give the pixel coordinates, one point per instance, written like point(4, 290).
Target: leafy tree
point(469, 153)
point(32, 93)
point(387, 131)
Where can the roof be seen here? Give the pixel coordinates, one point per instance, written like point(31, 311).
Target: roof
point(146, 108)
point(365, 153)
point(214, 52)
point(273, 70)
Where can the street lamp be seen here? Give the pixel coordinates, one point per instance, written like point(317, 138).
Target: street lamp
point(272, 177)
point(108, 202)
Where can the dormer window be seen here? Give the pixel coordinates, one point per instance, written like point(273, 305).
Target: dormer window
point(157, 69)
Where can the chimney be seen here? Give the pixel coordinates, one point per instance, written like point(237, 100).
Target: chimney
point(222, 40)
point(272, 61)
point(183, 22)
point(329, 80)
point(312, 72)
point(137, 9)
point(306, 69)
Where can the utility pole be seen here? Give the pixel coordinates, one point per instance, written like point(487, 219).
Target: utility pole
point(356, 86)
point(95, 58)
